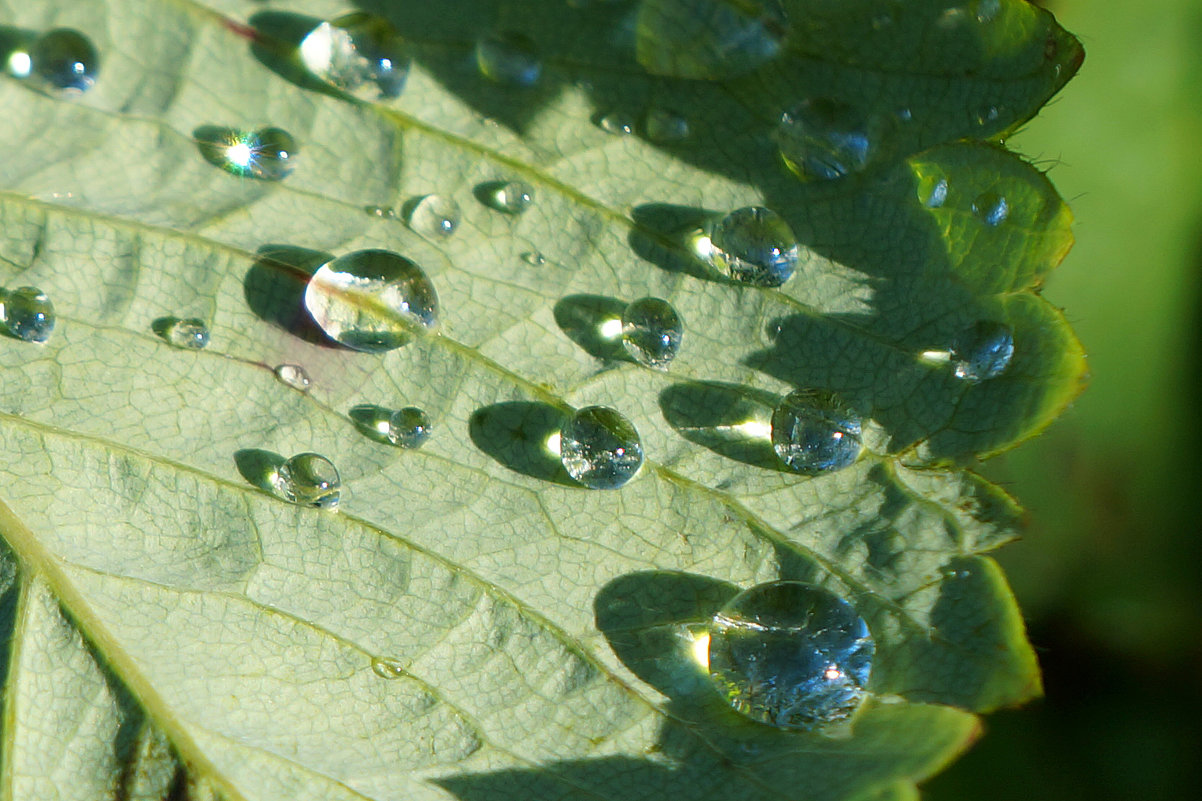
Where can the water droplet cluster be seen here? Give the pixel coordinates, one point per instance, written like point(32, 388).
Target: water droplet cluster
point(187, 334)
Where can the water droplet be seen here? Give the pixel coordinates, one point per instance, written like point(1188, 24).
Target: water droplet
point(982, 352)
point(651, 332)
point(988, 114)
point(600, 448)
point(434, 216)
point(986, 10)
point(822, 139)
point(754, 245)
point(509, 57)
point(409, 427)
point(64, 60)
point(932, 190)
point(511, 197)
point(815, 432)
point(294, 376)
point(190, 334)
point(617, 123)
point(709, 39)
point(534, 258)
point(268, 154)
point(371, 300)
point(359, 53)
point(387, 667)
point(309, 479)
point(991, 207)
point(27, 314)
point(791, 655)
point(384, 212)
point(663, 126)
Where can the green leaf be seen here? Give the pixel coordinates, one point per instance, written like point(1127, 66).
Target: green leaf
point(471, 623)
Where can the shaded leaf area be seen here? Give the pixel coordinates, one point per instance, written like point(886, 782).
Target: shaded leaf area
point(472, 623)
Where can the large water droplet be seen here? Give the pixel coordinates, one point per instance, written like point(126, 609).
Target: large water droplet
point(815, 432)
point(190, 334)
point(791, 655)
point(600, 448)
point(991, 208)
point(709, 39)
point(64, 60)
point(651, 332)
point(822, 139)
point(434, 216)
point(664, 126)
point(982, 352)
point(511, 197)
point(371, 300)
point(27, 313)
point(754, 245)
point(359, 53)
point(510, 58)
point(409, 427)
point(268, 154)
point(294, 376)
point(309, 479)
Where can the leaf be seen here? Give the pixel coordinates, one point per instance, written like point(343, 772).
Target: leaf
point(471, 623)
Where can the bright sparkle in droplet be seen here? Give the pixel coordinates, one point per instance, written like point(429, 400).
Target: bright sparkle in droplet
point(20, 65)
point(937, 356)
point(239, 154)
point(553, 443)
point(701, 245)
point(701, 650)
point(611, 329)
point(754, 429)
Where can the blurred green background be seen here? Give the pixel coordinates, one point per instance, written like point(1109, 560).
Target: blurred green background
point(1109, 571)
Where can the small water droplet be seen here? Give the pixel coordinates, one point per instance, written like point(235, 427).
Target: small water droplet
point(189, 334)
point(409, 427)
point(815, 432)
point(64, 60)
point(754, 245)
point(986, 10)
point(600, 448)
point(294, 376)
point(359, 53)
point(509, 57)
point(268, 154)
point(309, 479)
point(434, 216)
point(371, 300)
point(791, 655)
point(932, 190)
point(991, 207)
point(27, 313)
point(511, 197)
point(822, 139)
point(651, 332)
point(534, 258)
point(987, 114)
point(715, 39)
point(664, 126)
point(384, 212)
point(982, 352)
point(387, 667)
point(617, 123)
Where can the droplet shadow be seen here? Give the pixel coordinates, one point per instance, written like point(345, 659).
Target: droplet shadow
point(516, 433)
point(664, 234)
point(584, 317)
point(259, 467)
point(274, 288)
point(372, 421)
point(277, 47)
point(729, 419)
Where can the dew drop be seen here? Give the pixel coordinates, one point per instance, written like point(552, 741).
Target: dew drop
point(991, 208)
point(27, 313)
point(815, 432)
point(982, 352)
point(986, 10)
point(359, 53)
point(188, 334)
point(600, 448)
point(294, 376)
point(434, 216)
point(371, 300)
point(510, 197)
point(664, 126)
point(268, 154)
point(712, 39)
point(822, 139)
point(64, 60)
point(651, 332)
point(409, 427)
point(309, 479)
point(932, 191)
point(987, 114)
point(509, 57)
point(383, 212)
point(754, 245)
point(617, 123)
point(387, 667)
point(791, 655)
point(534, 258)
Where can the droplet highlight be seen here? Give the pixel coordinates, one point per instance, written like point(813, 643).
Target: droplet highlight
point(293, 375)
point(371, 300)
point(268, 154)
point(435, 216)
point(27, 313)
point(600, 448)
point(359, 53)
point(510, 58)
point(616, 123)
point(982, 352)
point(754, 245)
point(64, 60)
point(815, 432)
point(510, 197)
point(187, 334)
point(991, 208)
point(822, 139)
point(791, 655)
point(309, 479)
point(652, 332)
